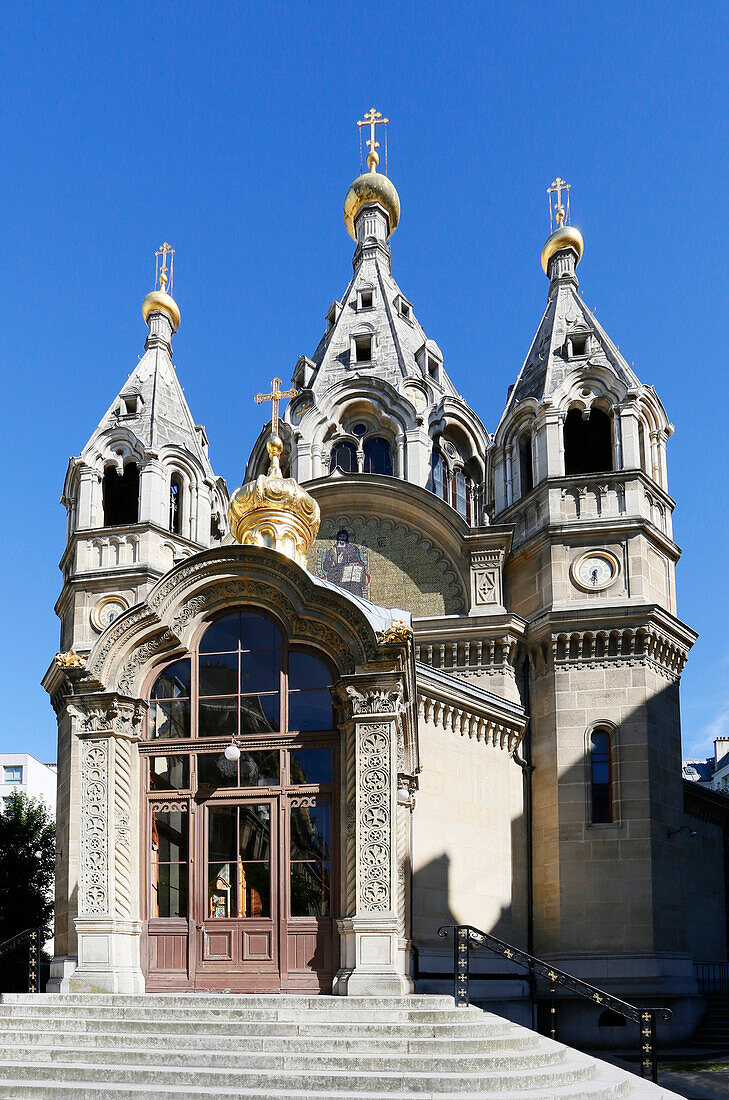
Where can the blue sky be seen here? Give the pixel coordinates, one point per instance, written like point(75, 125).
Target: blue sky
point(229, 130)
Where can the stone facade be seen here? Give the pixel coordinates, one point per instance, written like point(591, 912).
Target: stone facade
point(540, 586)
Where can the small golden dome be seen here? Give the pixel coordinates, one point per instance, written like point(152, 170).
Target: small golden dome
point(159, 299)
point(567, 236)
point(275, 511)
point(371, 187)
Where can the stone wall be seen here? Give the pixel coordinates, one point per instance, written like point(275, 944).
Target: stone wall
point(468, 843)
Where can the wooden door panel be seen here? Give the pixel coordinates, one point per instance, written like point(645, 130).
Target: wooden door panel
point(218, 944)
point(257, 944)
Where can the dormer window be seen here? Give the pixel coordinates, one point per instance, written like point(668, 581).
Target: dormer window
point(363, 349)
point(130, 405)
point(365, 299)
point(433, 368)
point(332, 314)
point(430, 361)
point(404, 308)
point(577, 344)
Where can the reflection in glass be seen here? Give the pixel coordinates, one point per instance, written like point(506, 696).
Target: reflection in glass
point(169, 855)
point(311, 765)
point(219, 674)
point(169, 718)
point(259, 713)
point(310, 867)
point(173, 682)
point(259, 769)
point(214, 770)
point(169, 773)
point(239, 861)
point(217, 717)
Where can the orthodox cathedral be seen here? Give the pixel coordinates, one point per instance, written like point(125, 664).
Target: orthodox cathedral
point(412, 673)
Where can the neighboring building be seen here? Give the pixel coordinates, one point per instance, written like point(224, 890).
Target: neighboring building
point(503, 751)
point(21, 772)
point(711, 771)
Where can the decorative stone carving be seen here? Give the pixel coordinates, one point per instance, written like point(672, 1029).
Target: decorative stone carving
point(94, 861)
point(71, 659)
point(397, 633)
point(375, 777)
point(374, 702)
point(486, 586)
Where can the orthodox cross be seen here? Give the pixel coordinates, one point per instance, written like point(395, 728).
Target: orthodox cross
point(558, 186)
point(276, 395)
point(372, 118)
point(161, 274)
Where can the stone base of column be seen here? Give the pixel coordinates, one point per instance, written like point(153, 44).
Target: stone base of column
point(108, 957)
point(62, 967)
point(374, 962)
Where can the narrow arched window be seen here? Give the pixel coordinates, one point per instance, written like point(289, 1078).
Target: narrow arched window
point(121, 495)
point(641, 446)
point(526, 471)
point(377, 456)
point(438, 474)
point(344, 458)
point(176, 504)
point(601, 792)
point(588, 445)
point(461, 494)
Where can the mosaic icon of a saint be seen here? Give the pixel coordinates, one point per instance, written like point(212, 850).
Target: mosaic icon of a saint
point(345, 564)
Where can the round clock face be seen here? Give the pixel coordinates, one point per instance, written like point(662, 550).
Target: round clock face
point(107, 610)
point(595, 570)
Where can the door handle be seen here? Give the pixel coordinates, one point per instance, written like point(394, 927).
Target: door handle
point(200, 927)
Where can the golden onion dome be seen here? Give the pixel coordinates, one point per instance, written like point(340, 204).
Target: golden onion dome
point(165, 303)
point(567, 236)
point(367, 188)
point(275, 511)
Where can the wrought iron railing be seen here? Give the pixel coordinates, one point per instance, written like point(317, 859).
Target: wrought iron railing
point(31, 936)
point(466, 937)
point(712, 977)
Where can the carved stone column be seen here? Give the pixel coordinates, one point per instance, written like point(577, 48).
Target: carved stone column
point(373, 958)
point(108, 920)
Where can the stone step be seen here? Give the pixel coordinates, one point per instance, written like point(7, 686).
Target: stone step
point(343, 1082)
point(227, 1026)
point(297, 1001)
point(91, 1090)
point(349, 1062)
point(137, 1011)
point(263, 1043)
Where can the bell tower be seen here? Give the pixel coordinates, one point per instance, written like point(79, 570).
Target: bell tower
point(142, 494)
point(579, 470)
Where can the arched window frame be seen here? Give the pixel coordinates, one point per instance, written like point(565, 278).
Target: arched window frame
point(192, 654)
point(343, 441)
point(611, 733)
point(379, 437)
point(177, 507)
point(578, 408)
point(110, 470)
point(439, 487)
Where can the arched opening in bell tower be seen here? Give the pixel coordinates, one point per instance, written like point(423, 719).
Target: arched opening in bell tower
point(121, 495)
point(588, 446)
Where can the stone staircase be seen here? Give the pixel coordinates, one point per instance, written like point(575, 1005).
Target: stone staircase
point(713, 1031)
point(195, 1046)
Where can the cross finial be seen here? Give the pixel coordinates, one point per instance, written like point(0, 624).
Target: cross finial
point(163, 277)
point(373, 118)
point(561, 210)
point(275, 396)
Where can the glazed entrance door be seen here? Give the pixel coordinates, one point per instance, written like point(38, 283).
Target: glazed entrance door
point(237, 932)
point(265, 885)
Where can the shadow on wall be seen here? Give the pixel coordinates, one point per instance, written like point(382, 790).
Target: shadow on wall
point(606, 903)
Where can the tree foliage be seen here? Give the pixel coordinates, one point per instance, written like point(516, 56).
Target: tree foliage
point(27, 863)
